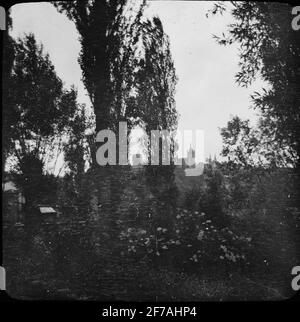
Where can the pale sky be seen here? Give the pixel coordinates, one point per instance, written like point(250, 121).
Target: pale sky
point(206, 92)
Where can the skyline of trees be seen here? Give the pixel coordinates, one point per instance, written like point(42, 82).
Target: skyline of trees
point(143, 91)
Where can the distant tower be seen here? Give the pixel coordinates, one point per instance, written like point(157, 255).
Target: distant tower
point(209, 160)
point(214, 162)
point(190, 160)
point(137, 160)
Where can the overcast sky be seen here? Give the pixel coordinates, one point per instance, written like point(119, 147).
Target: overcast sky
point(206, 92)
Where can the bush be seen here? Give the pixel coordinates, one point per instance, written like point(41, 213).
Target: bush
point(193, 241)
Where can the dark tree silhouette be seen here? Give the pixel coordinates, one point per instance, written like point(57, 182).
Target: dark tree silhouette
point(121, 56)
point(127, 67)
point(269, 48)
point(156, 82)
point(39, 109)
point(108, 40)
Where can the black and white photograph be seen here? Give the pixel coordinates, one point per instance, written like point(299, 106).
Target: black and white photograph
point(150, 152)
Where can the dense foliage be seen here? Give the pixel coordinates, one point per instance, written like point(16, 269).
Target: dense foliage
point(270, 49)
point(37, 116)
